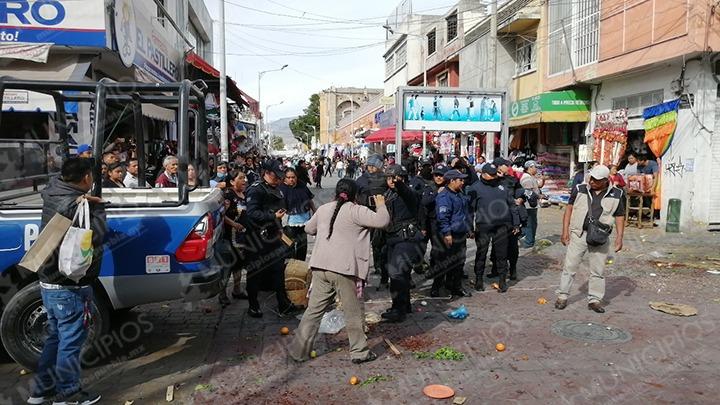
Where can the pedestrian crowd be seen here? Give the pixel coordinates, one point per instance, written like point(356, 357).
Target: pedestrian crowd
point(391, 212)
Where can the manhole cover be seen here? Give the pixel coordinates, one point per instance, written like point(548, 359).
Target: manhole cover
point(590, 332)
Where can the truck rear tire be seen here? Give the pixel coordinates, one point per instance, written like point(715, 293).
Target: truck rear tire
point(23, 325)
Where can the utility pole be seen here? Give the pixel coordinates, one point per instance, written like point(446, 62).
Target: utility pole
point(224, 144)
point(490, 137)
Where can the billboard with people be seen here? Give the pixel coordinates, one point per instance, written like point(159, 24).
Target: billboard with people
point(444, 111)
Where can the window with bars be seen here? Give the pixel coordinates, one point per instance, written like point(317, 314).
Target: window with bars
point(431, 42)
point(452, 25)
point(635, 103)
point(389, 65)
point(525, 55)
point(160, 15)
point(573, 38)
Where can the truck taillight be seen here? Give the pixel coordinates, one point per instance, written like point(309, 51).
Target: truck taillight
point(198, 244)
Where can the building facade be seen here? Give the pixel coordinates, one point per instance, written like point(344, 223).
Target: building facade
point(338, 103)
point(633, 57)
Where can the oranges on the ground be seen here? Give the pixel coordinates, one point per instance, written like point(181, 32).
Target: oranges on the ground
point(354, 380)
point(500, 347)
point(313, 354)
point(284, 330)
point(495, 286)
point(542, 301)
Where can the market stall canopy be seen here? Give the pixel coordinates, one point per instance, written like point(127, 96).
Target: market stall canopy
point(554, 106)
point(387, 135)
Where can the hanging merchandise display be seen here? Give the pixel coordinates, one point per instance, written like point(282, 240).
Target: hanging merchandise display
point(446, 143)
point(610, 135)
point(555, 165)
point(660, 124)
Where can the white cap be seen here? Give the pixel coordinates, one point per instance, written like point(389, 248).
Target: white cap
point(600, 172)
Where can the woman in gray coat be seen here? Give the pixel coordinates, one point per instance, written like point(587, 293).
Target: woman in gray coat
point(339, 263)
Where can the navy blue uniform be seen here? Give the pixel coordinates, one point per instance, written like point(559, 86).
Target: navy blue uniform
point(452, 220)
point(403, 245)
point(265, 250)
point(370, 184)
point(496, 215)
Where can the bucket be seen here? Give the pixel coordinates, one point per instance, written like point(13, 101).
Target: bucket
point(673, 216)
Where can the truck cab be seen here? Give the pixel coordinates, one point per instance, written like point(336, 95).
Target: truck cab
point(160, 243)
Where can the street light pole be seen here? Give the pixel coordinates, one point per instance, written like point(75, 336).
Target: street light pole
point(260, 75)
point(224, 142)
point(267, 108)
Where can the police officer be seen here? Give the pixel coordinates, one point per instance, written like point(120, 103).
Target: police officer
point(516, 191)
point(403, 241)
point(453, 228)
point(372, 182)
point(496, 215)
point(429, 226)
point(266, 250)
point(425, 189)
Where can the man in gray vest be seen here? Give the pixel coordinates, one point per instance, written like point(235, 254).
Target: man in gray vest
point(593, 206)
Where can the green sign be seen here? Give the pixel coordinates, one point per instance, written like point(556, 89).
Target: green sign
point(556, 101)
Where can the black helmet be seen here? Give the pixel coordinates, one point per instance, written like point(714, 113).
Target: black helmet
point(395, 170)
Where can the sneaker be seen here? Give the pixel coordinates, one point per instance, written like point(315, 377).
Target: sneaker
point(370, 357)
point(79, 398)
point(40, 398)
point(255, 312)
point(561, 303)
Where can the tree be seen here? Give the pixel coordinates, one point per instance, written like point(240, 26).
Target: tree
point(302, 126)
point(278, 143)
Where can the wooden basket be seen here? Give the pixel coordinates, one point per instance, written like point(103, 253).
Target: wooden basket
point(297, 281)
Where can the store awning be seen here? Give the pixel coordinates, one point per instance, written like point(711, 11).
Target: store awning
point(387, 135)
point(58, 68)
point(555, 106)
point(158, 113)
point(211, 76)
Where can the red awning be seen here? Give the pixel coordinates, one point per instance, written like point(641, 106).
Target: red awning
point(387, 135)
point(200, 63)
point(232, 89)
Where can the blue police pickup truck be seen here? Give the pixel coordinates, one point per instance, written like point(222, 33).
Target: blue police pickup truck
point(160, 241)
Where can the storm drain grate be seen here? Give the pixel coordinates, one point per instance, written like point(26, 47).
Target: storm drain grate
point(590, 332)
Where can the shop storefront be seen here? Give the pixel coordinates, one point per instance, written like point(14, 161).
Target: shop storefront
point(547, 128)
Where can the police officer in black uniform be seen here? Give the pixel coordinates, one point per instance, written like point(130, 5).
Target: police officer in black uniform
point(403, 241)
point(516, 191)
point(266, 250)
point(372, 182)
point(429, 226)
point(423, 186)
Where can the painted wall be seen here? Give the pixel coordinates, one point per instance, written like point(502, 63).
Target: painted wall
point(475, 64)
point(652, 31)
point(689, 163)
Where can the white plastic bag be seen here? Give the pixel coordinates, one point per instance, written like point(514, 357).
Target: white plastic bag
point(76, 250)
point(332, 322)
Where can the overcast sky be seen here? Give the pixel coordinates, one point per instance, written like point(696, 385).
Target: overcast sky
point(306, 27)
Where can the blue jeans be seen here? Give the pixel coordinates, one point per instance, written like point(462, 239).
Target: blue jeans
point(341, 173)
point(531, 229)
point(68, 312)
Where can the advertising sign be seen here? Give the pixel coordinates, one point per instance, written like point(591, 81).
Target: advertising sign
point(142, 41)
point(554, 101)
point(66, 22)
point(445, 111)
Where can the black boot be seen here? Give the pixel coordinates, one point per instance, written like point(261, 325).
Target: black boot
point(503, 283)
point(393, 315)
point(513, 274)
point(479, 284)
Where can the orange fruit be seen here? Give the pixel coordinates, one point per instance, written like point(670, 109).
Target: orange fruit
point(354, 380)
point(496, 286)
point(284, 330)
point(500, 347)
point(313, 354)
point(542, 301)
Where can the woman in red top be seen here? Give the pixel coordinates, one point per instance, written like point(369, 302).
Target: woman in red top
point(616, 178)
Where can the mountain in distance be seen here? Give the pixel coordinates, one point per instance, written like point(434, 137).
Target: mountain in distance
point(281, 128)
